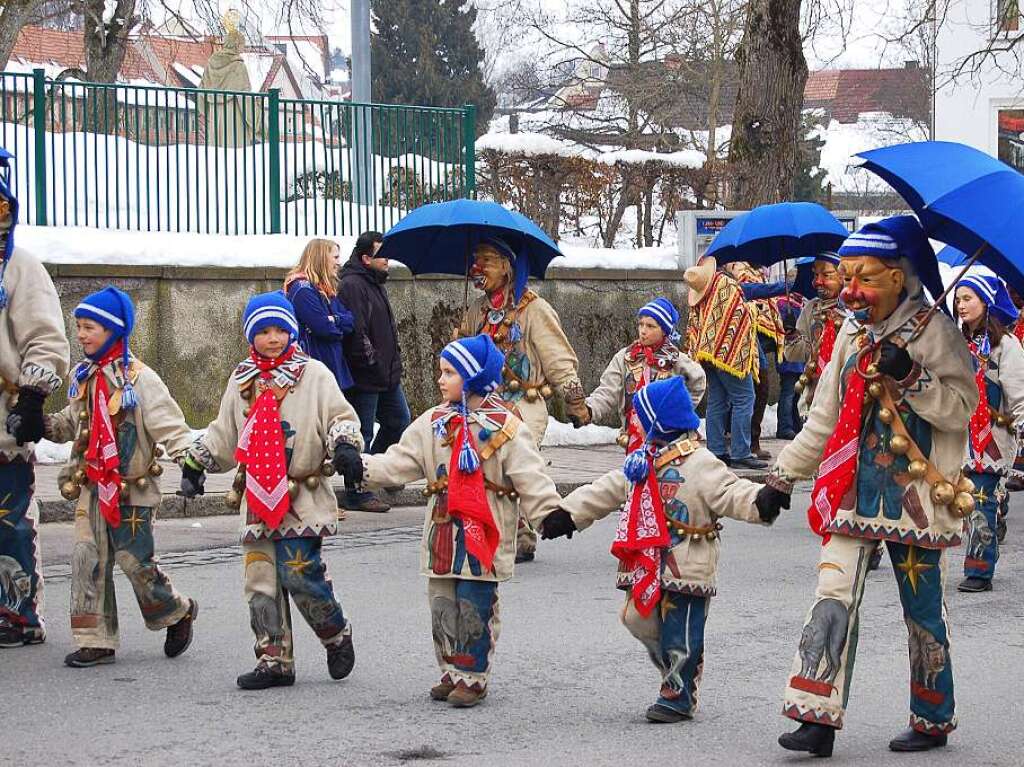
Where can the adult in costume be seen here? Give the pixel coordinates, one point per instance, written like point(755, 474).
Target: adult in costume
point(985, 309)
point(33, 360)
point(886, 435)
point(538, 357)
point(720, 335)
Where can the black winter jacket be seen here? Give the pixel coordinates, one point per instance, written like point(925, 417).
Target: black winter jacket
point(371, 350)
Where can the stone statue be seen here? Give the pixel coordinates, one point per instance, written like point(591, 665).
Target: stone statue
point(231, 119)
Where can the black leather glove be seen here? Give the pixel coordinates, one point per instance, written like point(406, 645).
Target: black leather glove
point(894, 361)
point(192, 481)
point(348, 463)
point(25, 421)
point(770, 502)
point(557, 524)
point(789, 322)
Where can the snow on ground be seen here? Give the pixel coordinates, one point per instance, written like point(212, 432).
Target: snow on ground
point(564, 435)
point(53, 452)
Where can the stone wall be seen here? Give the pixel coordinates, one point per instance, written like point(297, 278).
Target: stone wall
point(189, 320)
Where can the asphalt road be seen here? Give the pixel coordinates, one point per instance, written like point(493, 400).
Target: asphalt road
point(570, 685)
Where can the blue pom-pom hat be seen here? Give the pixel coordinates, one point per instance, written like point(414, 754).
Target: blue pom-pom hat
point(114, 310)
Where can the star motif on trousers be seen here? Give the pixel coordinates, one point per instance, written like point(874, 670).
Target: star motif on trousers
point(298, 563)
point(4, 511)
point(667, 606)
point(980, 496)
point(135, 522)
point(912, 568)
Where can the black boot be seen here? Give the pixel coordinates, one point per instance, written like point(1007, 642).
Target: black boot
point(815, 739)
point(974, 585)
point(341, 658)
point(912, 740)
point(264, 676)
point(660, 714)
point(876, 559)
point(179, 636)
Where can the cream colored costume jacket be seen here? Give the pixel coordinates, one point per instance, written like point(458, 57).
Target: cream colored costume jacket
point(805, 344)
point(314, 416)
point(697, 490)
point(1005, 375)
point(515, 480)
point(34, 350)
point(155, 420)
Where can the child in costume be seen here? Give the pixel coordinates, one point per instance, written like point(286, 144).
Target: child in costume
point(986, 312)
point(119, 412)
point(281, 419)
point(538, 357)
point(654, 356)
point(670, 496)
point(33, 360)
point(483, 470)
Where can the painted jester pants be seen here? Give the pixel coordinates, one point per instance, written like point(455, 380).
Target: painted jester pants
point(93, 600)
point(465, 623)
point(275, 570)
point(823, 668)
point(21, 579)
point(535, 416)
point(981, 540)
point(673, 635)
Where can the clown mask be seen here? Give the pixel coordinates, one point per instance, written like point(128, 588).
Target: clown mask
point(827, 282)
point(872, 288)
point(490, 271)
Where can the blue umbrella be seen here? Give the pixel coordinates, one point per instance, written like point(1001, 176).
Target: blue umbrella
point(772, 233)
point(952, 257)
point(439, 238)
point(962, 197)
point(804, 284)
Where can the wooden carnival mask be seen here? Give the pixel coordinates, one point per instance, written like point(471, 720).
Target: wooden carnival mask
point(827, 282)
point(491, 271)
point(872, 288)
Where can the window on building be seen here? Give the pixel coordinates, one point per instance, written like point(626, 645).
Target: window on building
point(1007, 15)
point(1011, 137)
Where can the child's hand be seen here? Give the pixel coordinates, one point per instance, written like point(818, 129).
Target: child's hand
point(192, 480)
point(348, 463)
point(770, 502)
point(556, 524)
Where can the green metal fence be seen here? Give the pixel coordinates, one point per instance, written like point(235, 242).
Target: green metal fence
point(182, 159)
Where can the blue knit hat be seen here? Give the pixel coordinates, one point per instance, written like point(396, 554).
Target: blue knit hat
point(266, 310)
point(992, 292)
point(662, 311)
point(6, 193)
point(478, 361)
point(895, 238)
point(827, 256)
point(665, 410)
point(520, 264)
point(114, 310)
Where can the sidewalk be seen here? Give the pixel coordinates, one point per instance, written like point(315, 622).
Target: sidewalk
point(570, 467)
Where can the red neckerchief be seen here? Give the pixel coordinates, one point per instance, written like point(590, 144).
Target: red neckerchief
point(838, 469)
point(467, 501)
point(641, 535)
point(981, 420)
point(632, 426)
point(637, 349)
point(261, 447)
point(1018, 330)
point(826, 345)
point(103, 463)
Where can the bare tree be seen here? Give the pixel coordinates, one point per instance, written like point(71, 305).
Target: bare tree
point(13, 16)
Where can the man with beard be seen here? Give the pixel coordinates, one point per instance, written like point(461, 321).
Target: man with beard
point(886, 434)
point(33, 359)
point(538, 356)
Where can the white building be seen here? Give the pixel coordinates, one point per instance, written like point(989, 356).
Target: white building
point(984, 106)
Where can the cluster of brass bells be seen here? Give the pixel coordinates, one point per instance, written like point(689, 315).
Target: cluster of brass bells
point(875, 389)
point(623, 440)
point(70, 490)
point(899, 444)
point(502, 492)
point(706, 536)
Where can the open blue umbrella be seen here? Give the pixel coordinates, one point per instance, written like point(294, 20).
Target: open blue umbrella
point(804, 284)
point(951, 256)
point(772, 233)
point(439, 238)
point(962, 197)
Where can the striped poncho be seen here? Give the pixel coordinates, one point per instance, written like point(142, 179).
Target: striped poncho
point(721, 329)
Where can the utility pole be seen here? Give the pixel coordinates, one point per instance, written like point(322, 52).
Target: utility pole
point(362, 126)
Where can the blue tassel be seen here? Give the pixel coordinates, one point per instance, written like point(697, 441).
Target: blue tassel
point(129, 399)
point(81, 373)
point(469, 460)
point(515, 333)
point(636, 467)
point(3, 297)
point(675, 338)
point(440, 430)
point(985, 347)
point(485, 434)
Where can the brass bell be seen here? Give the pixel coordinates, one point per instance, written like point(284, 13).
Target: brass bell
point(917, 469)
point(155, 469)
point(514, 385)
point(546, 392)
point(78, 477)
point(875, 390)
point(513, 495)
point(531, 395)
point(899, 444)
point(327, 469)
point(141, 482)
point(965, 485)
point(500, 493)
point(83, 415)
point(943, 494)
point(426, 492)
point(804, 379)
point(233, 498)
point(312, 482)
point(963, 503)
point(293, 489)
point(871, 370)
point(623, 440)
point(711, 536)
point(70, 491)
point(885, 415)
point(695, 537)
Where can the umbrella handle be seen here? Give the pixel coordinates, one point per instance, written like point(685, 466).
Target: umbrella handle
point(924, 320)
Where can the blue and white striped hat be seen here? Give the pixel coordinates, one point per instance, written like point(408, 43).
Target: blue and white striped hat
point(665, 408)
point(992, 292)
point(269, 309)
point(478, 361)
point(114, 310)
point(662, 311)
point(895, 238)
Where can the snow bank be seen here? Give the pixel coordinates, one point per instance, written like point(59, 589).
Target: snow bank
point(582, 257)
point(564, 435)
point(53, 452)
point(531, 144)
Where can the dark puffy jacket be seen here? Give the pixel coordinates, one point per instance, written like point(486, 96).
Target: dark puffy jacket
point(371, 350)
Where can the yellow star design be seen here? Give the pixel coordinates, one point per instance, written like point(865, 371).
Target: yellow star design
point(912, 567)
point(135, 521)
point(980, 496)
point(4, 511)
point(667, 605)
point(298, 563)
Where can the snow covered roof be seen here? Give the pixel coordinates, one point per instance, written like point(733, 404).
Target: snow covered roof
point(536, 144)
